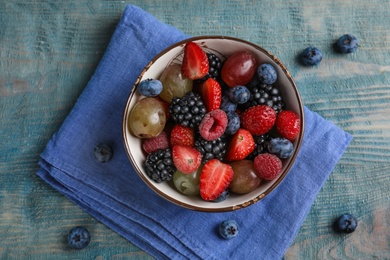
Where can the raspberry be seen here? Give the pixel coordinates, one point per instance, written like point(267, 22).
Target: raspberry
point(267, 166)
point(258, 119)
point(159, 142)
point(213, 124)
point(288, 124)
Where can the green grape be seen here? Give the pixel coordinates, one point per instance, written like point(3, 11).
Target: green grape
point(245, 179)
point(187, 184)
point(174, 83)
point(147, 118)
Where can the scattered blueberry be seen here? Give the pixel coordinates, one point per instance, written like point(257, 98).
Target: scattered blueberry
point(227, 105)
point(103, 153)
point(223, 196)
point(346, 223)
point(347, 43)
point(311, 56)
point(228, 229)
point(281, 147)
point(150, 87)
point(267, 73)
point(233, 123)
point(79, 237)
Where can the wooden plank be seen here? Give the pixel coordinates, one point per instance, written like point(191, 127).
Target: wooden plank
point(49, 49)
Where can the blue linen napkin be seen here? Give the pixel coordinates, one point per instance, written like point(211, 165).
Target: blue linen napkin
point(114, 194)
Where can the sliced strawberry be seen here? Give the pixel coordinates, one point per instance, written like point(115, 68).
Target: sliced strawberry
point(211, 93)
point(181, 135)
point(214, 179)
point(186, 158)
point(240, 145)
point(195, 63)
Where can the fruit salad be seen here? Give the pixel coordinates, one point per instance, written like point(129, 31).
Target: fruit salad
point(214, 125)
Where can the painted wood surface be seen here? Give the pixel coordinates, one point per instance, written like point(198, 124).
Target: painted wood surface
point(49, 49)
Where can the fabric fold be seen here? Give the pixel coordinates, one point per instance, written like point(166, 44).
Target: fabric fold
point(114, 194)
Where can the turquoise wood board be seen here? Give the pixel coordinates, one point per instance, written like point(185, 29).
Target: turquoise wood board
point(49, 50)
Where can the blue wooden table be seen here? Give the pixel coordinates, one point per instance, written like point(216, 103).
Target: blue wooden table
point(49, 50)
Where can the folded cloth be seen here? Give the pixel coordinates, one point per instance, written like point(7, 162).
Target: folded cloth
point(113, 193)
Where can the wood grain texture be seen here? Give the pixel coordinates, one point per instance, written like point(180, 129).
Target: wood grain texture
point(49, 50)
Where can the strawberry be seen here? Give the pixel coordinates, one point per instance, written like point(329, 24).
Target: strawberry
point(288, 124)
point(258, 119)
point(186, 158)
point(214, 179)
point(211, 93)
point(181, 135)
point(159, 142)
point(195, 63)
point(240, 145)
point(267, 166)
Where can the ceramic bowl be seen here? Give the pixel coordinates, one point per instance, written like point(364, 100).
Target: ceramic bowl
point(223, 47)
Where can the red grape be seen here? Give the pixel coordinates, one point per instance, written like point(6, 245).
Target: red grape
point(238, 69)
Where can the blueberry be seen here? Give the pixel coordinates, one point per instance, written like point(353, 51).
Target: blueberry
point(150, 87)
point(228, 229)
point(103, 153)
point(239, 94)
point(79, 237)
point(311, 56)
point(267, 73)
point(346, 223)
point(347, 43)
point(233, 123)
point(281, 147)
point(223, 196)
point(227, 105)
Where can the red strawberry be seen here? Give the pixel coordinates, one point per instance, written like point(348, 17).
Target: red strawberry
point(258, 119)
point(288, 124)
point(181, 135)
point(214, 179)
point(186, 158)
point(240, 145)
point(213, 125)
point(267, 166)
point(159, 142)
point(211, 93)
point(195, 63)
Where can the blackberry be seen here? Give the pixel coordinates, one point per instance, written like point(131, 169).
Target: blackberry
point(261, 142)
point(159, 165)
point(215, 66)
point(264, 94)
point(187, 111)
point(211, 149)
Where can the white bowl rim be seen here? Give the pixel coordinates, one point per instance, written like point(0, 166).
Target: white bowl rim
point(298, 141)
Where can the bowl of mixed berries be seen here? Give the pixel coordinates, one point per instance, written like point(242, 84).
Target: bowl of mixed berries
point(213, 123)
